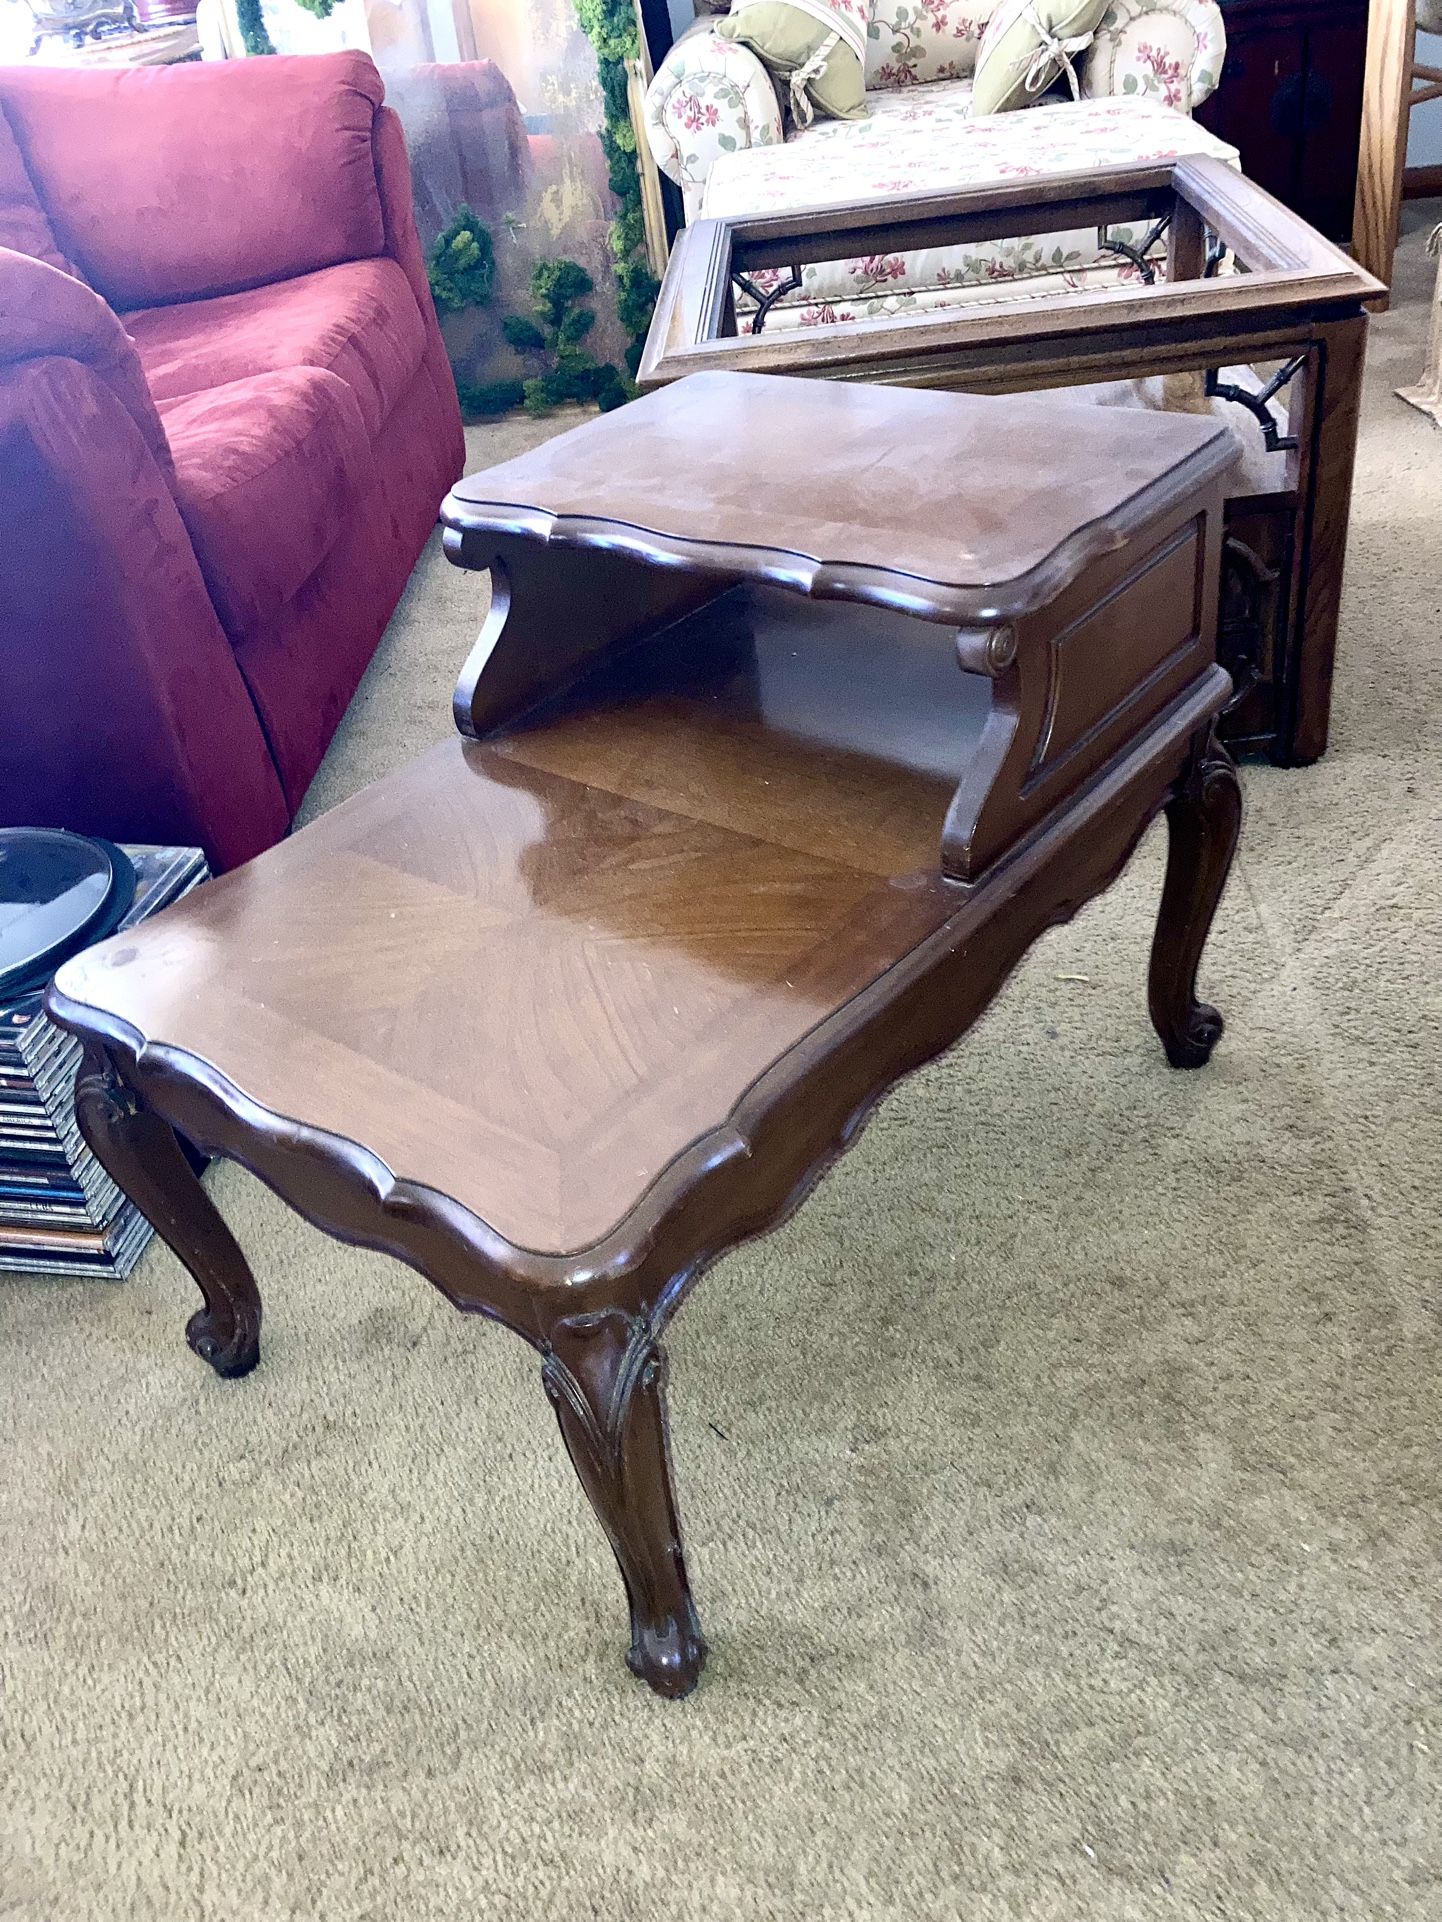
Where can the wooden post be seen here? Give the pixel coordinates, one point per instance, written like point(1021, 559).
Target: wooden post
point(1327, 416)
point(1386, 92)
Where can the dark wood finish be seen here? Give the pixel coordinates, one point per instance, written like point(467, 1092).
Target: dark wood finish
point(604, 1374)
point(143, 1156)
point(1290, 101)
point(564, 1009)
point(1204, 819)
point(1325, 417)
point(1299, 296)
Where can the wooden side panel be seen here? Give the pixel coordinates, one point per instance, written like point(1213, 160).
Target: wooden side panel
point(1326, 413)
point(555, 609)
point(1264, 67)
point(1117, 654)
point(1091, 674)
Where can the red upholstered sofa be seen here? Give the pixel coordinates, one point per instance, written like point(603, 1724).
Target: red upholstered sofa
point(226, 423)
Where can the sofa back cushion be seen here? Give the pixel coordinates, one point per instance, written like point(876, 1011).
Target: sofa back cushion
point(910, 41)
point(172, 183)
point(814, 49)
point(24, 228)
point(1027, 47)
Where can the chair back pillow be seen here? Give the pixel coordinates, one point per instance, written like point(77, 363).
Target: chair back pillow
point(815, 48)
point(1027, 46)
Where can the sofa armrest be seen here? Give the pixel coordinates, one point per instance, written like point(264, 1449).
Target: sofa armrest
point(709, 96)
point(122, 709)
point(1166, 50)
point(46, 314)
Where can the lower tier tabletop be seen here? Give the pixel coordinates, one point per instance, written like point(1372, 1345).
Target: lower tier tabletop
point(531, 973)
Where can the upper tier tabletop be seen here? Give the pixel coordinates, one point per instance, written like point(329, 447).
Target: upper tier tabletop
point(955, 506)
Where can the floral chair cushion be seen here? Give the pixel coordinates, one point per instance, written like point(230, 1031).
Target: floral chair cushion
point(927, 142)
point(912, 41)
point(1166, 50)
point(882, 285)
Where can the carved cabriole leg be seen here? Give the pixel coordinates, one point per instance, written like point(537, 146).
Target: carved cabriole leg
point(141, 1155)
point(604, 1374)
point(1204, 818)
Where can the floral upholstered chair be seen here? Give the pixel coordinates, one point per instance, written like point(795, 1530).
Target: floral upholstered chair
point(721, 128)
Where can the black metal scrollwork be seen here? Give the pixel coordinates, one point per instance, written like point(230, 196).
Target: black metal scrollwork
point(1138, 256)
point(1248, 593)
point(1258, 401)
point(765, 302)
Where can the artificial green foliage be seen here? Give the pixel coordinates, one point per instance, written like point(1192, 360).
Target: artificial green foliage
point(556, 285)
point(522, 334)
point(557, 329)
point(490, 396)
point(574, 327)
point(251, 21)
point(560, 325)
point(322, 9)
point(462, 264)
point(610, 26)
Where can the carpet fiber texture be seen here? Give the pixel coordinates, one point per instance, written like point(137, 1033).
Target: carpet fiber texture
point(1063, 1483)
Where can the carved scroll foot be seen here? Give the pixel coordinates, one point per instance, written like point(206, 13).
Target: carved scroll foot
point(604, 1375)
point(1204, 818)
point(142, 1156)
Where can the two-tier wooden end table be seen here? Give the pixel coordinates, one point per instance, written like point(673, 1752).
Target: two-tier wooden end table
point(800, 712)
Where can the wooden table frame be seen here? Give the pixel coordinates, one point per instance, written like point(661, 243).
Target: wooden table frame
point(866, 906)
point(1297, 297)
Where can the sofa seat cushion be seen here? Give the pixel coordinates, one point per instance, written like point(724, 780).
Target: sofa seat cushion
point(925, 141)
point(268, 469)
point(358, 321)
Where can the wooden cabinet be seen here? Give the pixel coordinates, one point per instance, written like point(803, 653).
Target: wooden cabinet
point(1290, 100)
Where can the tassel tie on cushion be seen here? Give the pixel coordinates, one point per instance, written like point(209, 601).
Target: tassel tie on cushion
point(1053, 55)
point(801, 108)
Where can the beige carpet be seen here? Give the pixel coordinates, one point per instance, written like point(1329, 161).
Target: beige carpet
point(1063, 1484)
